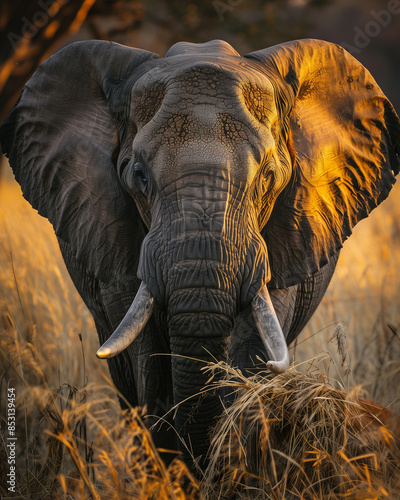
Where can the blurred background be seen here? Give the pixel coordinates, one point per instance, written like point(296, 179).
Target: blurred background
point(31, 31)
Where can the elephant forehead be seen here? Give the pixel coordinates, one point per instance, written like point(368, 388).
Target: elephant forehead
point(194, 114)
point(208, 79)
point(193, 69)
point(226, 84)
point(202, 136)
point(205, 125)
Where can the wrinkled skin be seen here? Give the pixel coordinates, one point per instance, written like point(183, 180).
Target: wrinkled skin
point(207, 176)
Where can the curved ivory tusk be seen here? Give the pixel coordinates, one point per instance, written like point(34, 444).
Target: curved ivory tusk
point(270, 331)
point(134, 321)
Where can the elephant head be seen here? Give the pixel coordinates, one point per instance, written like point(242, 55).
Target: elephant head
point(213, 187)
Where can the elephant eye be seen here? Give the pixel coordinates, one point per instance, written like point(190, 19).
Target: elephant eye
point(139, 170)
point(134, 177)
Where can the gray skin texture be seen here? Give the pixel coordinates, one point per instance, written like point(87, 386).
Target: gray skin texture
point(206, 175)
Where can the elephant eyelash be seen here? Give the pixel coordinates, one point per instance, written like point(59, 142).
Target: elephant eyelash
point(134, 177)
point(139, 171)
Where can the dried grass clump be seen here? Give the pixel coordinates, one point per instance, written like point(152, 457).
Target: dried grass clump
point(294, 436)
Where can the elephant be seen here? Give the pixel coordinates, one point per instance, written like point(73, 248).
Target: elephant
point(200, 201)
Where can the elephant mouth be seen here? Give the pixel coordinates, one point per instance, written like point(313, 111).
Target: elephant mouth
point(142, 308)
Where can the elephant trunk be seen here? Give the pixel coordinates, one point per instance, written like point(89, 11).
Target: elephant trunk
point(197, 336)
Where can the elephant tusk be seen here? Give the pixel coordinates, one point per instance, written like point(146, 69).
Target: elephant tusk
point(132, 324)
point(270, 331)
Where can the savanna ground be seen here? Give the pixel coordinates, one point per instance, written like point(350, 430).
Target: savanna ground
point(302, 435)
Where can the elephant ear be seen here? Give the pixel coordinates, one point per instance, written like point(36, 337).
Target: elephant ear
point(61, 139)
point(346, 140)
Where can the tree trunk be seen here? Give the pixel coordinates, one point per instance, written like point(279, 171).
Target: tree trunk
point(29, 31)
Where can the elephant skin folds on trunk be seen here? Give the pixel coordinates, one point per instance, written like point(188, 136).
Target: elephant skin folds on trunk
point(215, 188)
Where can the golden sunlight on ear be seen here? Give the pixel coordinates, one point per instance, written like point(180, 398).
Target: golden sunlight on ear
point(290, 147)
point(360, 309)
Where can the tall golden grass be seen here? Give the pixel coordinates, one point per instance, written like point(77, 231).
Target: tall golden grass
point(287, 437)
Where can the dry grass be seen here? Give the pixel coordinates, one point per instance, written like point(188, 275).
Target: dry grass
point(289, 437)
point(295, 436)
point(94, 450)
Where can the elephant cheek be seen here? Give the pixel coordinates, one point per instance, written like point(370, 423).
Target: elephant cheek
point(256, 273)
point(150, 268)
